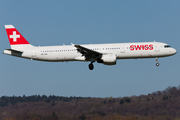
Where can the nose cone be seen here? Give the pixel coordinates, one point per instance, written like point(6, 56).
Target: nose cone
point(174, 51)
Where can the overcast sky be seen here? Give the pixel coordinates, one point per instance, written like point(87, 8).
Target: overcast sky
point(58, 22)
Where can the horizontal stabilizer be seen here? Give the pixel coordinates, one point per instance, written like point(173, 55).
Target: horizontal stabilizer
point(15, 50)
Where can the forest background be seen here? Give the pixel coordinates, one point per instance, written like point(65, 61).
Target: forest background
point(164, 105)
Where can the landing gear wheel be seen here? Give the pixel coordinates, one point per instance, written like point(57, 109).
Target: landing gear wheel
point(157, 64)
point(91, 66)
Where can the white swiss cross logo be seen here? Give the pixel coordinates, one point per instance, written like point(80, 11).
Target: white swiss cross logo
point(14, 36)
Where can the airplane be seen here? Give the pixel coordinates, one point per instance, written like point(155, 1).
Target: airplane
point(100, 53)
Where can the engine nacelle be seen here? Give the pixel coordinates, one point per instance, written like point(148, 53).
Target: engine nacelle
point(109, 59)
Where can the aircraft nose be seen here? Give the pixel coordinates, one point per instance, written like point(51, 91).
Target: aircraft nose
point(174, 51)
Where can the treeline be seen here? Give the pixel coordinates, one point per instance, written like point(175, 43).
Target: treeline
point(6, 100)
point(160, 105)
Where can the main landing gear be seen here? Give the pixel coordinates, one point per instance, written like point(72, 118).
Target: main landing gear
point(91, 66)
point(157, 64)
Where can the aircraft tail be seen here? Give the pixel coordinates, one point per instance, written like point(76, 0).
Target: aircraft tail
point(16, 40)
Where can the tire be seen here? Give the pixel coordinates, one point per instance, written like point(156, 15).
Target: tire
point(157, 64)
point(91, 66)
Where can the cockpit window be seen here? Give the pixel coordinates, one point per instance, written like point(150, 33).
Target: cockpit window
point(167, 46)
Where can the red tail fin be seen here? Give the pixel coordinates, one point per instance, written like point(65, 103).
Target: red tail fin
point(15, 38)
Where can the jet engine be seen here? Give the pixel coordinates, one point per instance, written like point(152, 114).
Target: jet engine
point(108, 59)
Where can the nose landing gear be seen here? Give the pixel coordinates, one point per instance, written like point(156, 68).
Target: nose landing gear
point(157, 64)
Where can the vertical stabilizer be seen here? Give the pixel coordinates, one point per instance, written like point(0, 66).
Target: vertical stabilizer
point(16, 40)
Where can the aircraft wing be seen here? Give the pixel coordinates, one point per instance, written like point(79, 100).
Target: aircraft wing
point(88, 53)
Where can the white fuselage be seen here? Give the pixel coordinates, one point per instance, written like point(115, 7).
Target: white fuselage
point(70, 53)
